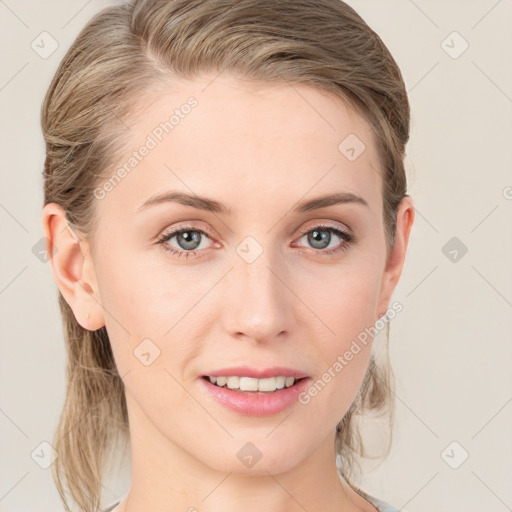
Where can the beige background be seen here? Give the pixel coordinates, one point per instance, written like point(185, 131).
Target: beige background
point(451, 345)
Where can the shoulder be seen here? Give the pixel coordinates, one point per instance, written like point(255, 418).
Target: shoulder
point(380, 505)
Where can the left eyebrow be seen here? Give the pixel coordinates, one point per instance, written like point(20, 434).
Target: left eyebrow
point(329, 200)
point(211, 205)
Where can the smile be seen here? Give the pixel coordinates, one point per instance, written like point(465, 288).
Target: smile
point(255, 397)
point(268, 384)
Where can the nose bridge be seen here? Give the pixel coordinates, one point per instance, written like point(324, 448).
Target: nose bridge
point(260, 304)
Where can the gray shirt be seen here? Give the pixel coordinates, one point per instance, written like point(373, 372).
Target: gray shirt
point(380, 505)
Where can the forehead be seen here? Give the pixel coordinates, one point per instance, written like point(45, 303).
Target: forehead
point(219, 135)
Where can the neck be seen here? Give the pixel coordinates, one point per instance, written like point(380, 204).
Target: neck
point(165, 477)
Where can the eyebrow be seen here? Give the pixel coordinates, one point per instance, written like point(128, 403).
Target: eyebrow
point(210, 205)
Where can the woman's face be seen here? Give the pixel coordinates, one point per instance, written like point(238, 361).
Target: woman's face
point(252, 280)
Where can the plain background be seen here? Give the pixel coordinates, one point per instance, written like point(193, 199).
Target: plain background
point(451, 345)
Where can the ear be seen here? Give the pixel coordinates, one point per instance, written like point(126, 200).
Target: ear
point(73, 268)
point(396, 257)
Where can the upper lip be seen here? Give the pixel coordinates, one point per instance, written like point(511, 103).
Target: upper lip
point(257, 373)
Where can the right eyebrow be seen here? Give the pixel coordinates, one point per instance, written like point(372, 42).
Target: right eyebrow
point(201, 203)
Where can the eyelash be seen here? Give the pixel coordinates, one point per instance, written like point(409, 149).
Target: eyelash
point(347, 237)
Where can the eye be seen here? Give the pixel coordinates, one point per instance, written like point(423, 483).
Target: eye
point(189, 240)
point(320, 238)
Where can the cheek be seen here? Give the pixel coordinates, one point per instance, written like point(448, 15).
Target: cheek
point(345, 300)
point(146, 305)
point(141, 292)
point(347, 306)
point(146, 312)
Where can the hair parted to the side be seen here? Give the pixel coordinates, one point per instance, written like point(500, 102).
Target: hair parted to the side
point(131, 50)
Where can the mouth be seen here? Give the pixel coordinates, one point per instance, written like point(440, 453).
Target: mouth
point(263, 392)
point(244, 384)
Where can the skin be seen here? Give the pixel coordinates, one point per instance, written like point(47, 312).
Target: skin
point(259, 150)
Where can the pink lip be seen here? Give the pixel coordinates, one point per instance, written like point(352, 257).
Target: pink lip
point(246, 371)
point(252, 403)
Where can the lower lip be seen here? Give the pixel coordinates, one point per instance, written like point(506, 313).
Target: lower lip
point(252, 403)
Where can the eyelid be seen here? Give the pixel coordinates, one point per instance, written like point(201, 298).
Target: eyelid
point(186, 226)
point(319, 224)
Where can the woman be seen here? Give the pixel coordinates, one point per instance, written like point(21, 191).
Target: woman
point(227, 219)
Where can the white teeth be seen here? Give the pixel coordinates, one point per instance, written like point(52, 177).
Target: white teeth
point(233, 382)
point(280, 382)
point(268, 384)
point(248, 384)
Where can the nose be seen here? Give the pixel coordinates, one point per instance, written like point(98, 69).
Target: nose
point(258, 303)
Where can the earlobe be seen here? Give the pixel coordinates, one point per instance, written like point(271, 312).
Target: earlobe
point(72, 267)
point(396, 258)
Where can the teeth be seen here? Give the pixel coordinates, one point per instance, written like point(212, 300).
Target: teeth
point(248, 384)
point(233, 382)
point(268, 384)
point(280, 382)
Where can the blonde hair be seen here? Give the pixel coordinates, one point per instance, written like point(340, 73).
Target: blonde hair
point(128, 51)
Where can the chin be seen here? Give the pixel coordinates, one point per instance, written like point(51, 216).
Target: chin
point(256, 457)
